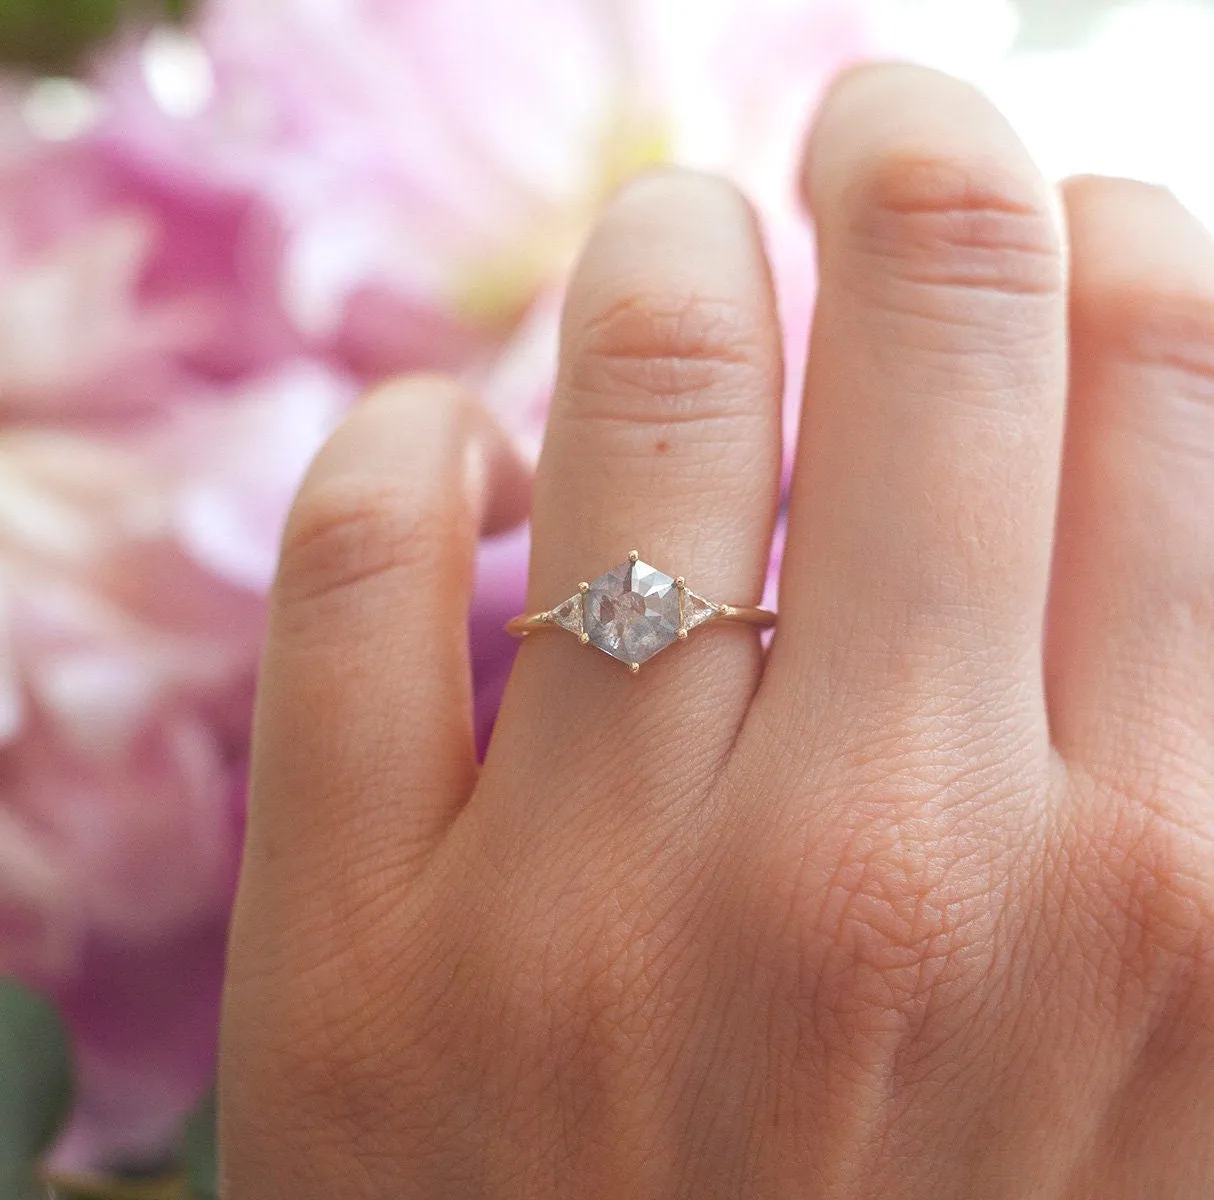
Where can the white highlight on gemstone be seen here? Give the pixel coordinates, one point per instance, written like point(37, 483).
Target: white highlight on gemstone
point(632, 612)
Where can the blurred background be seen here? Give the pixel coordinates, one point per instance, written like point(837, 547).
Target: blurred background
point(220, 220)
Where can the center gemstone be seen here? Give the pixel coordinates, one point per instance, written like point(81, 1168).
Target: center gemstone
point(632, 612)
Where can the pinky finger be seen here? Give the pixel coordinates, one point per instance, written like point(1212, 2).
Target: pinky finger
point(1131, 649)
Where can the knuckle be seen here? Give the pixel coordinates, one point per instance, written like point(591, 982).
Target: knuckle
point(350, 532)
point(1136, 872)
point(899, 937)
point(1155, 868)
point(948, 223)
point(330, 1016)
point(651, 357)
point(598, 979)
point(284, 1032)
point(893, 934)
point(334, 1069)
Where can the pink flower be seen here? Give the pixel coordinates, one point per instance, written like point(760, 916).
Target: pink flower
point(312, 191)
point(119, 284)
point(132, 568)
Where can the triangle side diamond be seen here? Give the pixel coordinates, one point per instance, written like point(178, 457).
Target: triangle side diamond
point(697, 610)
point(568, 615)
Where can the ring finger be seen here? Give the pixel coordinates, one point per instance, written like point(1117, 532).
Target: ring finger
point(664, 438)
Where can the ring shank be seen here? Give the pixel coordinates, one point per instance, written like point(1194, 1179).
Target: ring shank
point(762, 618)
point(528, 623)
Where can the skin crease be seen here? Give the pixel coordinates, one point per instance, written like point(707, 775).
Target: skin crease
point(919, 905)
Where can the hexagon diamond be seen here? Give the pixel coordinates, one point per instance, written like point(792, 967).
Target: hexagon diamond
point(632, 612)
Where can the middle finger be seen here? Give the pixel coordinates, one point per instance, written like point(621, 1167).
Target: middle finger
point(916, 570)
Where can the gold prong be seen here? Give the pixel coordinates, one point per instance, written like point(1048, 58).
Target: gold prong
point(680, 583)
point(682, 635)
point(634, 667)
point(585, 639)
point(726, 610)
point(583, 588)
point(633, 555)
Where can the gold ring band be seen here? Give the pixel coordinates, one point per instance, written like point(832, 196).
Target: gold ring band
point(635, 611)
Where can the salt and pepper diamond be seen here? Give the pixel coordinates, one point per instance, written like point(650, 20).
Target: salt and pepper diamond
point(633, 612)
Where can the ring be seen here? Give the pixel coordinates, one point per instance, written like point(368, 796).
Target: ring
point(634, 612)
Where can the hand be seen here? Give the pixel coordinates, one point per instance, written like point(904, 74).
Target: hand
point(918, 905)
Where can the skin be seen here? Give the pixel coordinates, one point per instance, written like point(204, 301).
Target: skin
point(918, 905)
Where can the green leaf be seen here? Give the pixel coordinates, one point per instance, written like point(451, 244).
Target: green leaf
point(54, 35)
point(178, 11)
point(57, 35)
point(199, 1152)
point(35, 1084)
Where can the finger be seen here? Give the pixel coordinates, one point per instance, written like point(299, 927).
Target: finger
point(919, 536)
point(363, 743)
point(1131, 646)
point(664, 437)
